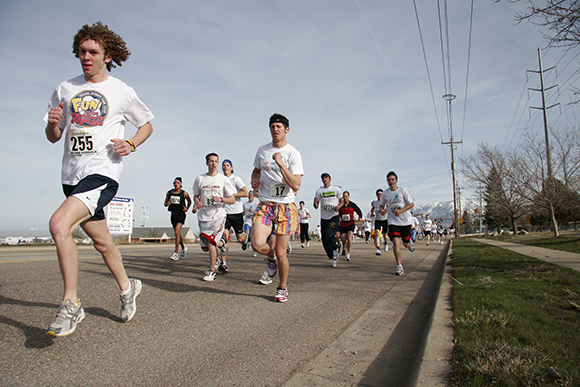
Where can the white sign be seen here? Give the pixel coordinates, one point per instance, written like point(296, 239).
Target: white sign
point(120, 216)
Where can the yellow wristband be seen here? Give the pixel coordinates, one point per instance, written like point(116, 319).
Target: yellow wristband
point(133, 147)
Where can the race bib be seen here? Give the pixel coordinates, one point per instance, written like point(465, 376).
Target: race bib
point(346, 217)
point(279, 190)
point(328, 207)
point(82, 141)
point(175, 199)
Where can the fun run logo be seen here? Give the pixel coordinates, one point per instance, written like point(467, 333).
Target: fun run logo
point(89, 108)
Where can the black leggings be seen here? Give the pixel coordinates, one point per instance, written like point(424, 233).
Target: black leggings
point(329, 228)
point(304, 233)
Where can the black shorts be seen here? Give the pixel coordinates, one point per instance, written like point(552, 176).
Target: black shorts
point(403, 232)
point(235, 221)
point(177, 217)
point(95, 191)
point(384, 224)
point(345, 229)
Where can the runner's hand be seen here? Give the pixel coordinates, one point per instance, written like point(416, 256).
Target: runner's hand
point(121, 146)
point(55, 115)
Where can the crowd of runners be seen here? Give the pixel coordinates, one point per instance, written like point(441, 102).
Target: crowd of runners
point(90, 112)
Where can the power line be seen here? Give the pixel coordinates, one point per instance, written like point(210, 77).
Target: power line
point(429, 79)
point(467, 75)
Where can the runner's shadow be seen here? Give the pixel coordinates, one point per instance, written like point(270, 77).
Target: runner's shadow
point(36, 337)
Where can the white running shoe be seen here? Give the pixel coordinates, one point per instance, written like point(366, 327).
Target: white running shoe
point(218, 263)
point(209, 275)
point(281, 295)
point(174, 257)
point(307, 243)
point(289, 248)
point(333, 262)
point(67, 318)
point(378, 252)
point(255, 255)
point(348, 256)
point(399, 270)
point(412, 247)
point(129, 300)
point(183, 252)
point(265, 279)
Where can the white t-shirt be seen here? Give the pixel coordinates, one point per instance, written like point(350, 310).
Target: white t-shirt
point(206, 187)
point(367, 226)
point(237, 207)
point(377, 207)
point(249, 211)
point(398, 199)
point(414, 222)
point(95, 113)
point(427, 224)
point(273, 188)
point(302, 214)
point(328, 198)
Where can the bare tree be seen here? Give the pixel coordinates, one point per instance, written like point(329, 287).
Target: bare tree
point(529, 171)
point(566, 154)
point(503, 194)
point(561, 17)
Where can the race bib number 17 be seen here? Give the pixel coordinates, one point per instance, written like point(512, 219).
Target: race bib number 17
point(279, 190)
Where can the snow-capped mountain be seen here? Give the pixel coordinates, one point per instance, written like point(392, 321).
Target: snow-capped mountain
point(27, 232)
point(445, 210)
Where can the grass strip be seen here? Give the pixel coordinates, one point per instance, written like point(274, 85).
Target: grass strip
point(515, 317)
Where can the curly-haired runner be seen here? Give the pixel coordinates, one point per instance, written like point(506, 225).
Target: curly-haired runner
point(90, 111)
point(113, 44)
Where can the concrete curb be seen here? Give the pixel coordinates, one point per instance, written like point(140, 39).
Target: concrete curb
point(436, 366)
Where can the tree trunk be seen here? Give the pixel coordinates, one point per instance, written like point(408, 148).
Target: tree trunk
point(553, 220)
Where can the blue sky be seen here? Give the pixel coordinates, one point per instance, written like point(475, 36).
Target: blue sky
point(349, 74)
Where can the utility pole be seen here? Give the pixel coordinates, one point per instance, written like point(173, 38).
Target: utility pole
point(449, 98)
point(480, 208)
point(455, 195)
point(544, 109)
point(144, 214)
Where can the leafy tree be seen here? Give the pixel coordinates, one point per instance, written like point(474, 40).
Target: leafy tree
point(467, 223)
point(494, 217)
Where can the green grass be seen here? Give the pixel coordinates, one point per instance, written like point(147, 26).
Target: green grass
point(515, 316)
point(547, 240)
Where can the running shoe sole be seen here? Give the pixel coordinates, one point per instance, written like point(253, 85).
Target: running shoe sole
point(272, 267)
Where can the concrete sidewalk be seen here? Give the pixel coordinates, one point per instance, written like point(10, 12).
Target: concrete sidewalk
point(557, 257)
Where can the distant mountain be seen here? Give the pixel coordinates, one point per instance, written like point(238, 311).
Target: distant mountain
point(444, 210)
point(26, 232)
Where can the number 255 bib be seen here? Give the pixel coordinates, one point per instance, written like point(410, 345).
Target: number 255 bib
point(82, 141)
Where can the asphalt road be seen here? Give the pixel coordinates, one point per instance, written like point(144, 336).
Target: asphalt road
point(356, 324)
